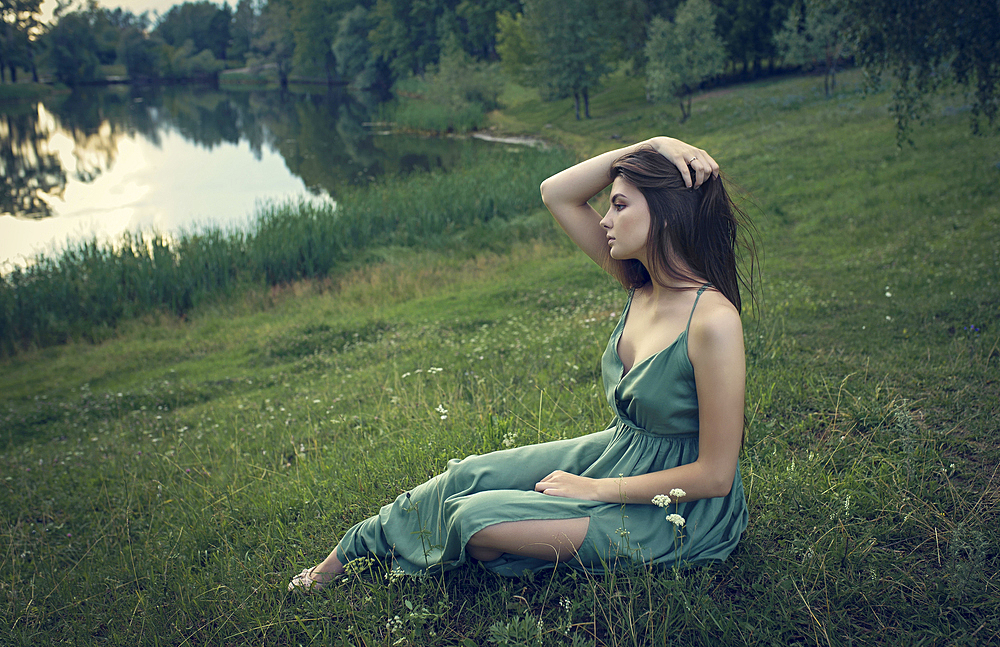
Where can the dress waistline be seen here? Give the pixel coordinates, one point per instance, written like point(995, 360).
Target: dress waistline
point(623, 425)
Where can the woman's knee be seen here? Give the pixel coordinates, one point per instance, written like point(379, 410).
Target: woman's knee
point(482, 554)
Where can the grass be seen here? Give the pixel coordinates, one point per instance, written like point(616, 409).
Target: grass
point(161, 487)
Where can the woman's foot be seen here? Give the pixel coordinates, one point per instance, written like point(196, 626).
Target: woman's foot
point(317, 577)
point(311, 579)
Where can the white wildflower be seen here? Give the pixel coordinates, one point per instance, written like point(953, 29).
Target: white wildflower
point(677, 520)
point(678, 493)
point(661, 500)
point(509, 439)
point(444, 412)
point(394, 624)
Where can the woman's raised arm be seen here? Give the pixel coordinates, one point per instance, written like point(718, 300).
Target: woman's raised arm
point(566, 193)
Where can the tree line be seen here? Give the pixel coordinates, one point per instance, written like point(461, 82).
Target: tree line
point(562, 47)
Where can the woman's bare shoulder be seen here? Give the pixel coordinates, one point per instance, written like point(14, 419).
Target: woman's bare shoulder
point(715, 321)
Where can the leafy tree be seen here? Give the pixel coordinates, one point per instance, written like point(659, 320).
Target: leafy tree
point(812, 33)
point(682, 54)
point(19, 19)
point(747, 28)
point(203, 23)
point(275, 42)
point(245, 27)
point(72, 47)
point(559, 46)
point(141, 53)
point(405, 34)
point(517, 51)
point(314, 26)
point(924, 42)
point(106, 35)
point(355, 62)
point(476, 25)
point(631, 30)
point(186, 62)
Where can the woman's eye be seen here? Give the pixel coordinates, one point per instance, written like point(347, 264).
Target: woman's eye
point(618, 206)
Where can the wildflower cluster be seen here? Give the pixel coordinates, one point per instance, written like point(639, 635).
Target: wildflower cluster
point(433, 370)
point(358, 566)
point(664, 500)
point(394, 625)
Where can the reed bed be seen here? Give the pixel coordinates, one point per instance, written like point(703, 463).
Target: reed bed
point(87, 290)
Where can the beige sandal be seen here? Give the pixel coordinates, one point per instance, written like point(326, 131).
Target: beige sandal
point(307, 581)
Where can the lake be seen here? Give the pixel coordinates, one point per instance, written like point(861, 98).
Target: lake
point(103, 161)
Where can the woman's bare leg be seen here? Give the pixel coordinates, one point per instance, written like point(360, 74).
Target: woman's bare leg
point(318, 576)
point(555, 540)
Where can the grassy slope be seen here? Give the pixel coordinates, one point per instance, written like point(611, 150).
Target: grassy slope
point(160, 488)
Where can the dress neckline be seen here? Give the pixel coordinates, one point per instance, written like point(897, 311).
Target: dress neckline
point(621, 330)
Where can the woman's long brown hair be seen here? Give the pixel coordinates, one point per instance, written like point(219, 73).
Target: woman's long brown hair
point(700, 227)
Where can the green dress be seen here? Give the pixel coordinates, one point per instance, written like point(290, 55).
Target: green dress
point(655, 428)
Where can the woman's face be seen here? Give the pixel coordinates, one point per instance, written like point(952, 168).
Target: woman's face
point(627, 222)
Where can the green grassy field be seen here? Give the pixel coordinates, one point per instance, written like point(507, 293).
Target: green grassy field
point(160, 488)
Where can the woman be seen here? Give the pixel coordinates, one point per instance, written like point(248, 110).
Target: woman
point(674, 376)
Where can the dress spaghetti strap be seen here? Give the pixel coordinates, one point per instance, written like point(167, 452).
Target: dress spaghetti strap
point(696, 298)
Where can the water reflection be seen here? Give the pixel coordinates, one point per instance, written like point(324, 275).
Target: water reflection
point(122, 157)
point(30, 170)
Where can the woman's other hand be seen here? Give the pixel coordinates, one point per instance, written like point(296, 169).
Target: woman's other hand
point(684, 156)
point(568, 485)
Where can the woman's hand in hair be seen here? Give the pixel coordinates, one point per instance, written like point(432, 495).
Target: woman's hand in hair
point(686, 158)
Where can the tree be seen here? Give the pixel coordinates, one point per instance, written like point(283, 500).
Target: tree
point(476, 25)
point(203, 23)
point(682, 54)
point(314, 26)
point(925, 42)
point(517, 52)
point(747, 28)
point(405, 34)
point(141, 53)
point(355, 62)
point(19, 21)
point(559, 46)
point(72, 46)
point(813, 32)
point(275, 42)
point(246, 25)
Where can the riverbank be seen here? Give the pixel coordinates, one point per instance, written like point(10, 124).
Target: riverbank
point(162, 486)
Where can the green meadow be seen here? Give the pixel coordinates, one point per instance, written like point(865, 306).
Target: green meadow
point(162, 477)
